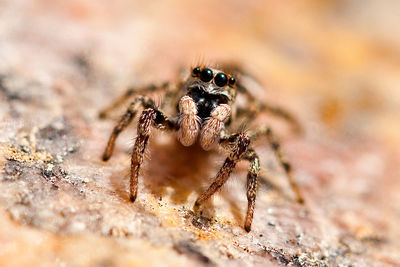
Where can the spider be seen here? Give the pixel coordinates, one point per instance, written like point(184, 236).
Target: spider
point(205, 111)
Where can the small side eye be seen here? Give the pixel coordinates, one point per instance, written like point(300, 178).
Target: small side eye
point(220, 79)
point(196, 71)
point(232, 81)
point(206, 75)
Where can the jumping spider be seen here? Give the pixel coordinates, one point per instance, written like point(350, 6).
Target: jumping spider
point(206, 109)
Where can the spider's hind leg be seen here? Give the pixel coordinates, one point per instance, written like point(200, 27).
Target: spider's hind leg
point(255, 106)
point(276, 147)
point(284, 114)
point(130, 92)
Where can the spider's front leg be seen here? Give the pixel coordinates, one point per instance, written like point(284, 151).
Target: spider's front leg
point(126, 119)
point(252, 175)
point(237, 144)
point(150, 116)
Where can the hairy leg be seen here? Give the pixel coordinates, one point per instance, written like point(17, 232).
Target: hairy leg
point(126, 119)
point(256, 108)
point(237, 145)
point(252, 175)
point(276, 147)
point(150, 117)
point(128, 94)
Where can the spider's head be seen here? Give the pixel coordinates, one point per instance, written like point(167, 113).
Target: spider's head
point(209, 88)
point(214, 81)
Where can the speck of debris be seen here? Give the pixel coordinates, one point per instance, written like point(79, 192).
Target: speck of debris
point(201, 222)
point(11, 171)
point(118, 232)
point(83, 63)
point(282, 257)
point(23, 199)
point(56, 139)
point(187, 248)
point(278, 255)
point(271, 224)
point(8, 94)
point(304, 213)
point(53, 173)
point(373, 240)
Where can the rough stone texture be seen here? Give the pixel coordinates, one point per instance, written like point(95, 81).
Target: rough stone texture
point(336, 64)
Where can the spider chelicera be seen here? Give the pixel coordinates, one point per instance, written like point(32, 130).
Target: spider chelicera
point(205, 111)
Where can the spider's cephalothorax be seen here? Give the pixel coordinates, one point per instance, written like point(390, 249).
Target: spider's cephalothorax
point(205, 109)
point(205, 106)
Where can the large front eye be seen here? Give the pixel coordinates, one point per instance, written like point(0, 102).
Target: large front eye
point(206, 75)
point(220, 79)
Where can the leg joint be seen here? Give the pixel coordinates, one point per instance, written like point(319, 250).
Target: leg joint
point(286, 166)
point(242, 144)
point(145, 120)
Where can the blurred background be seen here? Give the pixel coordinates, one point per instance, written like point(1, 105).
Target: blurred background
point(338, 59)
point(335, 64)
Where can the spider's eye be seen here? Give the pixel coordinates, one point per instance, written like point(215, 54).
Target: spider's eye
point(196, 71)
point(206, 75)
point(220, 79)
point(232, 81)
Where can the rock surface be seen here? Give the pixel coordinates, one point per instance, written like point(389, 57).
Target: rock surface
point(336, 64)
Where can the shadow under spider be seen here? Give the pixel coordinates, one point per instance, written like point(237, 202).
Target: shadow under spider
point(184, 169)
point(169, 165)
point(187, 170)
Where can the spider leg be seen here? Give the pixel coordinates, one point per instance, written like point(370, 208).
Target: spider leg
point(276, 147)
point(237, 69)
point(105, 113)
point(255, 107)
point(126, 119)
point(252, 175)
point(238, 145)
point(150, 117)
